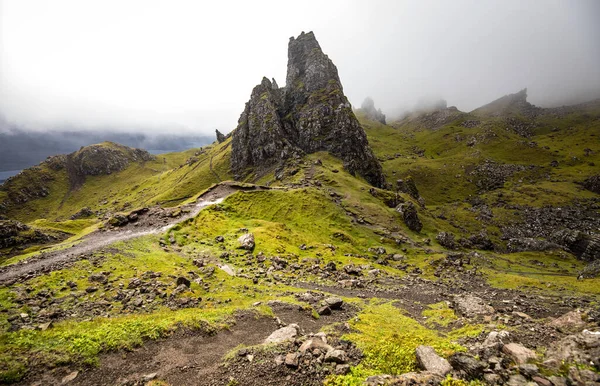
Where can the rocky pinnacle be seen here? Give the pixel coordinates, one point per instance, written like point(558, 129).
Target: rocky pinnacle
point(310, 114)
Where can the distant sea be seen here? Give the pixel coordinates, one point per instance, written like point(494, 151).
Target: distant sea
point(6, 174)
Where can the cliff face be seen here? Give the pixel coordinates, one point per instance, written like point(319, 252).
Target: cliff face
point(310, 114)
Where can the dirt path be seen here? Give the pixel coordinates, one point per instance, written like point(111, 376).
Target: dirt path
point(50, 261)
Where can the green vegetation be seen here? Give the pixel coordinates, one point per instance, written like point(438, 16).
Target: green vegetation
point(388, 340)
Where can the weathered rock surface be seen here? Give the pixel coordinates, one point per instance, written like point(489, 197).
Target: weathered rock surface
point(593, 183)
point(410, 216)
point(519, 353)
point(471, 306)
point(246, 241)
point(283, 334)
point(310, 114)
point(430, 361)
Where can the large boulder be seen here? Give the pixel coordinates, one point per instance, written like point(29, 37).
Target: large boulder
point(246, 241)
point(283, 334)
point(471, 306)
point(410, 216)
point(428, 360)
point(310, 114)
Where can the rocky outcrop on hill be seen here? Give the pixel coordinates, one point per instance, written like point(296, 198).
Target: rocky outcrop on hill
point(432, 119)
point(105, 158)
point(593, 184)
point(511, 104)
point(220, 136)
point(368, 108)
point(15, 234)
point(310, 114)
point(101, 159)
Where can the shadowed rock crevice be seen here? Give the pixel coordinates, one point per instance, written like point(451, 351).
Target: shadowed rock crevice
point(310, 114)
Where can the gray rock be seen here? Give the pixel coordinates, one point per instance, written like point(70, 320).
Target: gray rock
point(246, 241)
point(410, 216)
point(570, 322)
point(183, 281)
point(334, 302)
point(291, 360)
point(283, 334)
point(519, 353)
point(336, 356)
point(471, 306)
point(314, 343)
point(472, 367)
point(428, 360)
point(517, 380)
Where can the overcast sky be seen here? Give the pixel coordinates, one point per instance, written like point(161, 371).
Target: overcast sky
point(191, 65)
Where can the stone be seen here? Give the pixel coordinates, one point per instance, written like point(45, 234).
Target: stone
point(517, 380)
point(471, 306)
point(219, 239)
point(310, 114)
point(246, 241)
point(557, 381)
point(336, 356)
point(324, 310)
point(529, 370)
point(472, 367)
point(182, 280)
point(582, 348)
point(89, 290)
point(44, 326)
point(541, 381)
point(496, 338)
point(334, 302)
point(342, 369)
point(291, 360)
point(422, 378)
point(68, 378)
point(410, 216)
point(149, 377)
point(314, 343)
point(519, 353)
point(227, 269)
point(446, 240)
point(98, 278)
point(283, 334)
point(570, 322)
point(430, 361)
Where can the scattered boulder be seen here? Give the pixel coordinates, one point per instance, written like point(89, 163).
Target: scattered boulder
point(336, 356)
point(570, 322)
point(519, 353)
point(471, 306)
point(283, 334)
point(582, 348)
point(183, 281)
point(246, 241)
point(428, 360)
point(410, 216)
point(593, 183)
point(446, 240)
point(468, 364)
point(291, 360)
point(314, 343)
point(334, 302)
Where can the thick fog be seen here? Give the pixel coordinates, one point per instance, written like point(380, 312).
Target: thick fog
point(189, 66)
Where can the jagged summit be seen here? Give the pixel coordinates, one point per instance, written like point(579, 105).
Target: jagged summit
point(509, 104)
point(310, 114)
point(368, 108)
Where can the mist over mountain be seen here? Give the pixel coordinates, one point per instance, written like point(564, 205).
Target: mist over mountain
point(21, 148)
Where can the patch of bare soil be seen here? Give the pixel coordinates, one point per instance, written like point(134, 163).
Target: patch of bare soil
point(194, 357)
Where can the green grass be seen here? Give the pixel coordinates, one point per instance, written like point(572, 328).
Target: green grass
point(388, 339)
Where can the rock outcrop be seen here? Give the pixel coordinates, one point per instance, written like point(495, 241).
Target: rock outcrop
point(368, 108)
point(511, 104)
point(220, 136)
point(310, 114)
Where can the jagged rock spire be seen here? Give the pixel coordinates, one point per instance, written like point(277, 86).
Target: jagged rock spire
point(310, 114)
